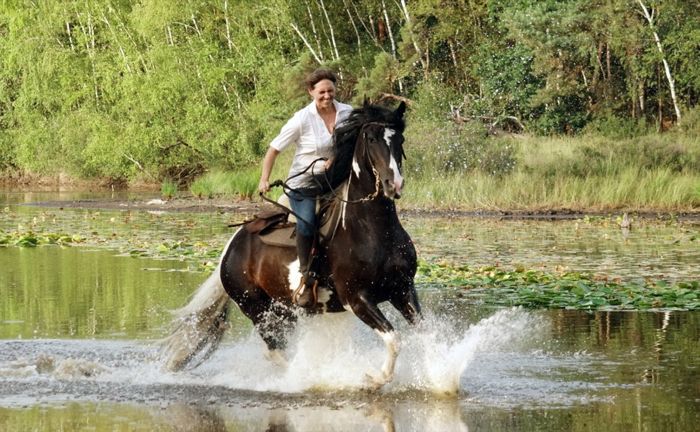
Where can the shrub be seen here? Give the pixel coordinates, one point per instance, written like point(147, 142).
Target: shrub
point(612, 126)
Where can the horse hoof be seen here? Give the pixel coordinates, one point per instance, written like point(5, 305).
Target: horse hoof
point(276, 357)
point(374, 383)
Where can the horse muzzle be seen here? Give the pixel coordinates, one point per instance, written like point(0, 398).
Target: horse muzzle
point(392, 189)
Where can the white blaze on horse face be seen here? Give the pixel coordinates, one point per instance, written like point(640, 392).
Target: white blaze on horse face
point(398, 179)
point(388, 133)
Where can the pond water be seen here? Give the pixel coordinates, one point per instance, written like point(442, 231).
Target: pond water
point(79, 328)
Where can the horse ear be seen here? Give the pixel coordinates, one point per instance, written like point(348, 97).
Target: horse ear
point(365, 102)
point(400, 110)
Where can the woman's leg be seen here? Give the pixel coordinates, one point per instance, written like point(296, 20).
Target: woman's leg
point(305, 209)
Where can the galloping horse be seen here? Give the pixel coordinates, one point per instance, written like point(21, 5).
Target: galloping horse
point(370, 258)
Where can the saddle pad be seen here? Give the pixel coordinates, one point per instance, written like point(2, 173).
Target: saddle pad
point(280, 237)
point(283, 235)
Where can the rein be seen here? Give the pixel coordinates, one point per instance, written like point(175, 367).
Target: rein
point(333, 191)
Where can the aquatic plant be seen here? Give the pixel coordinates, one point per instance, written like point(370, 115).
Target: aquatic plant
point(32, 239)
point(485, 285)
point(564, 290)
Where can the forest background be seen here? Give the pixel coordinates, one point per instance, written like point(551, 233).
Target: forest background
point(513, 104)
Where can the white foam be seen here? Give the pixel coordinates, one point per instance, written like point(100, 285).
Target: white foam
point(335, 352)
point(328, 353)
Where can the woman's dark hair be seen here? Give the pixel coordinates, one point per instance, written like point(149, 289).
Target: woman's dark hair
point(319, 75)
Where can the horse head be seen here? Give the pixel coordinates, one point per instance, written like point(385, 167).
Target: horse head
point(380, 144)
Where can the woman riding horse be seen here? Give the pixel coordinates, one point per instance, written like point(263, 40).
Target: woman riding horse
point(369, 259)
point(311, 131)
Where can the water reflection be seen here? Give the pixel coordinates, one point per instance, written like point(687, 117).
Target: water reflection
point(377, 416)
point(381, 416)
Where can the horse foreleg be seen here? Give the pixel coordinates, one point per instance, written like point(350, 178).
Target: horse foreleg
point(392, 344)
point(371, 315)
point(407, 303)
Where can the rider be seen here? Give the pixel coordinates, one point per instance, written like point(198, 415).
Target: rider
point(311, 131)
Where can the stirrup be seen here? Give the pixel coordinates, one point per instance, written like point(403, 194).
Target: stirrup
point(301, 290)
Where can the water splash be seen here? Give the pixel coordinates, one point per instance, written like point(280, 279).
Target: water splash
point(328, 354)
point(336, 352)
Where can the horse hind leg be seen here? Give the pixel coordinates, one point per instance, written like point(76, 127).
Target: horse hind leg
point(273, 322)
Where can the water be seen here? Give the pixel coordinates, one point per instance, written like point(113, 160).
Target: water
point(79, 328)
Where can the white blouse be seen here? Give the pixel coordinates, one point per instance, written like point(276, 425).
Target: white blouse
point(307, 130)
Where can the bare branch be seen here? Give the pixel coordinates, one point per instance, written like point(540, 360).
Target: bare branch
point(391, 96)
point(313, 53)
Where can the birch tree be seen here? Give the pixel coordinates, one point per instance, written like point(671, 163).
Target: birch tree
point(649, 15)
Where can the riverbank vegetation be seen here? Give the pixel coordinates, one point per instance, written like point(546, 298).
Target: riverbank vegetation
point(513, 104)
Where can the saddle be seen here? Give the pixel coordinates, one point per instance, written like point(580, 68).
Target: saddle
point(278, 228)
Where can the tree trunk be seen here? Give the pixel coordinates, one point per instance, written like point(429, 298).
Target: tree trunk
point(354, 27)
point(330, 27)
point(315, 32)
point(650, 18)
point(116, 40)
point(421, 57)
point(391, 38)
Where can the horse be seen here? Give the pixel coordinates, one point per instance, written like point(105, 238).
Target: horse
point(369, 259)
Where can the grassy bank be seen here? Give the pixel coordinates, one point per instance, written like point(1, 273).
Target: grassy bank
point(632, 189)
point(469, 169)
point(465, 167)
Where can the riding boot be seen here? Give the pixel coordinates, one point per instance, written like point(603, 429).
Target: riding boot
point(304, 295)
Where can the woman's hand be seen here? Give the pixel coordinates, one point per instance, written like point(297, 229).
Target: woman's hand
point(263, 186)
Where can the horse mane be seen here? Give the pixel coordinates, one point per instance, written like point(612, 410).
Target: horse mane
point(345, 138)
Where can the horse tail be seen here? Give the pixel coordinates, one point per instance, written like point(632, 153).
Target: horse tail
point(198, 327)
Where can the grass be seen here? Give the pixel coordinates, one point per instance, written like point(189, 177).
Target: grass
point(632, 189)
point(168, 189)
point(659, 172)
point(241, 183)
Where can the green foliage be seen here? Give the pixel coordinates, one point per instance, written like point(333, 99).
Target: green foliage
point(507, 81)
point(32, 239)
point(616, 127)
point(567, 290)
point(435, 146)
point(155, 89)
point(381, 79)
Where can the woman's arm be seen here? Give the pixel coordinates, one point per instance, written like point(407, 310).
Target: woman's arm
point(268, 164)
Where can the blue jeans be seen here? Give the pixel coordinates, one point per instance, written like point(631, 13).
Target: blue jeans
point(305, 208)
